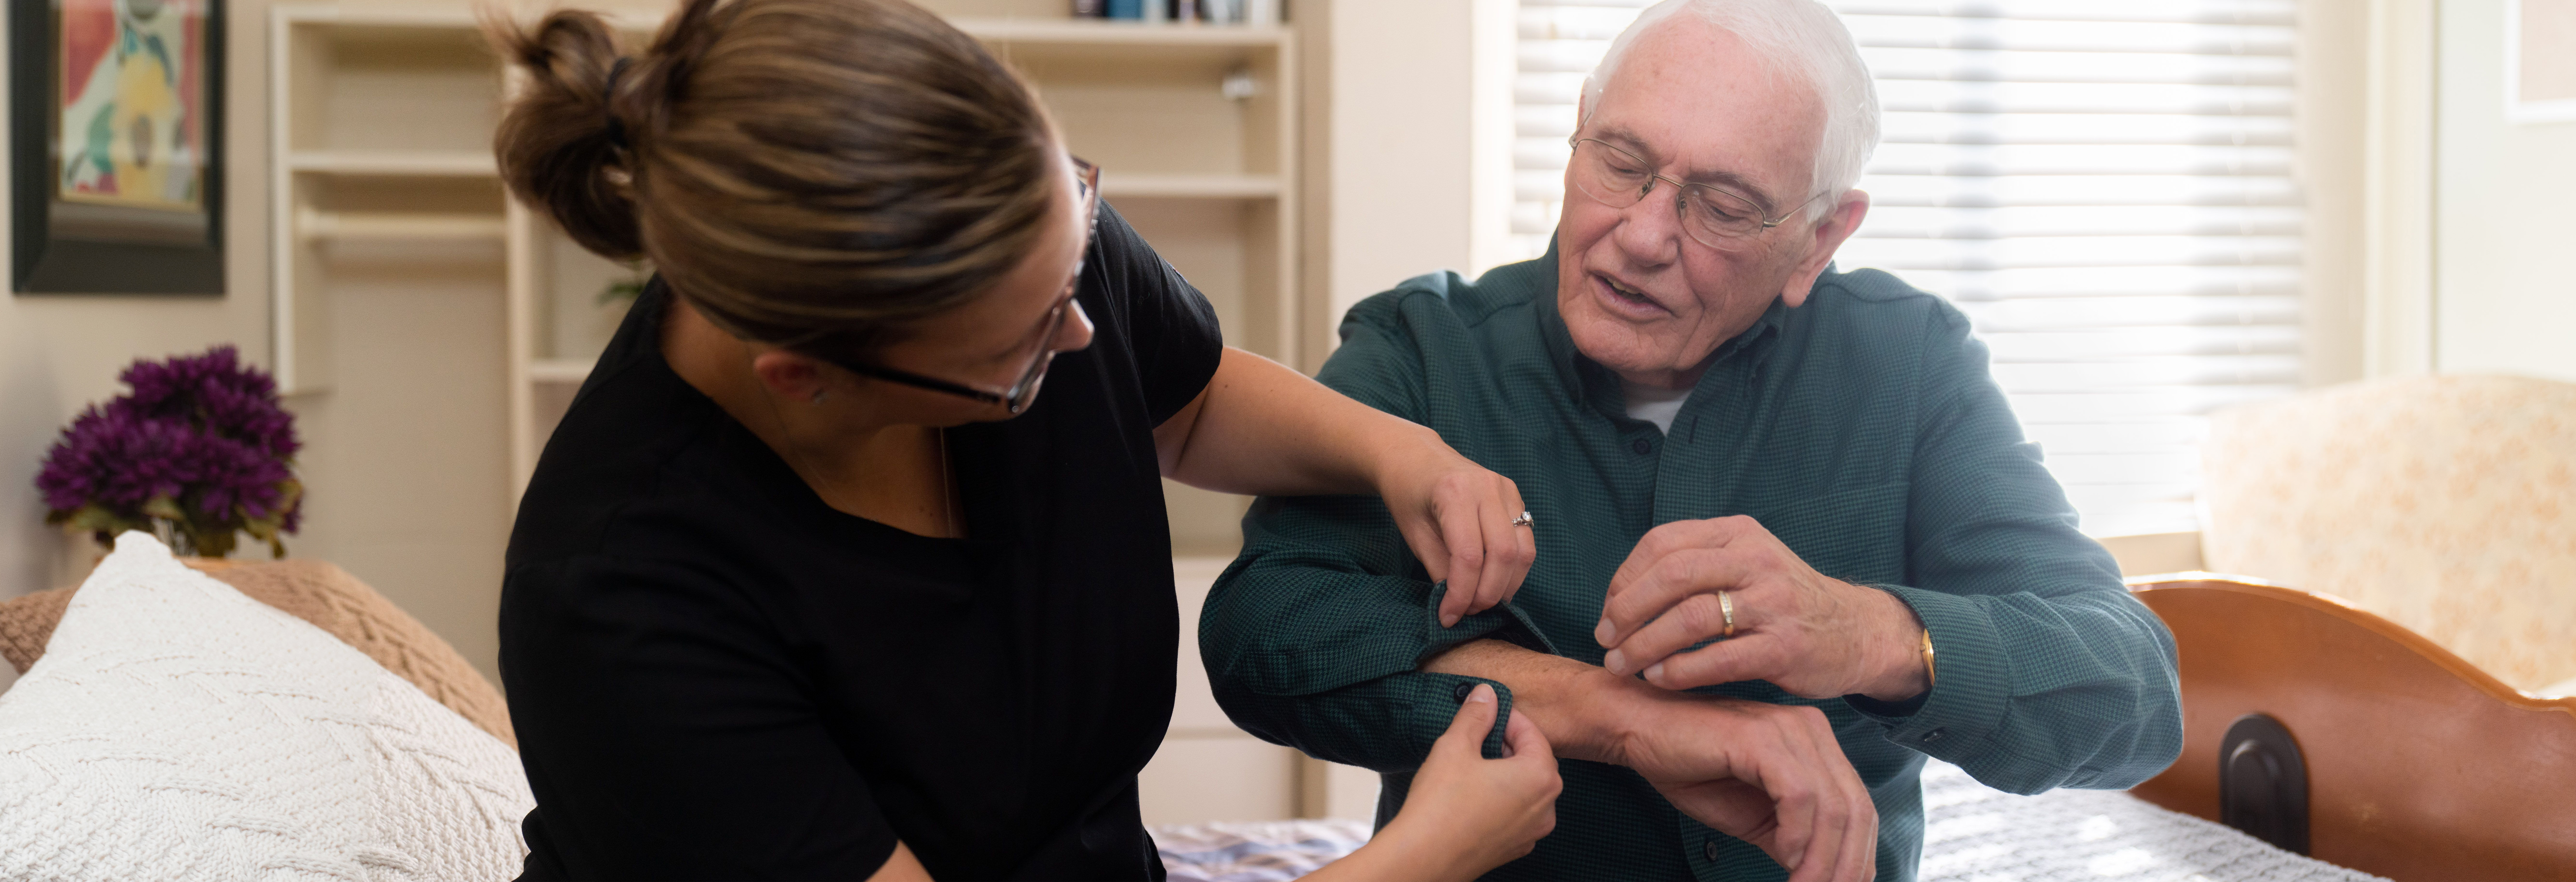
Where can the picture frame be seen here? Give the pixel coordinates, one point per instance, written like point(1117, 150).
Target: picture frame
point(116, 146)
point(2540, 61)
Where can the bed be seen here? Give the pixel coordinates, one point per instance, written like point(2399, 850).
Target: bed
point(2355, 750)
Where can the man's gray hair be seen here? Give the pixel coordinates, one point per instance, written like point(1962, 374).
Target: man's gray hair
point(1803, 39)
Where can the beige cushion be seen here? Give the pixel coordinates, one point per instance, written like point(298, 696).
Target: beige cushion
point(331, 599)
point(2446, 504)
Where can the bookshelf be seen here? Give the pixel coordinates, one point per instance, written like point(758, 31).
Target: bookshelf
point(382, 130)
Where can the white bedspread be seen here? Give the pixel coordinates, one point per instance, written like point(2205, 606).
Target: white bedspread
point(1973, 833)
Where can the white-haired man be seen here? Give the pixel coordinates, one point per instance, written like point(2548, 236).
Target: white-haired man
point(1789, 539)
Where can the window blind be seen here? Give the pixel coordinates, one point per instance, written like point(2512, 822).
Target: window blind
point(2105, 187)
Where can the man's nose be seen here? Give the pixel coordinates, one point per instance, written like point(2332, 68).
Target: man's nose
point(1650, 232)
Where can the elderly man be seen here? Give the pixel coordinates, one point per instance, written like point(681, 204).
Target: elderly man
point(1788, 537)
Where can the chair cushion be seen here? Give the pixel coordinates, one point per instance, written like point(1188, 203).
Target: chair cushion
point(331, 599)
point(2446, 504)
point(175, 728)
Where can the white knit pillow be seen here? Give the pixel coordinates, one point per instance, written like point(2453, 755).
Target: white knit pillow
point(176, 729)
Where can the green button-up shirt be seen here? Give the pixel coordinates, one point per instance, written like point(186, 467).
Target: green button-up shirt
point(1861, 428)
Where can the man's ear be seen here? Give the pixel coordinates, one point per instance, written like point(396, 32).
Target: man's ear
point(1829, 233)
point(789, 376)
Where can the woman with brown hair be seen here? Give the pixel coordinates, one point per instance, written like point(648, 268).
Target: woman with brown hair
point(810, 581)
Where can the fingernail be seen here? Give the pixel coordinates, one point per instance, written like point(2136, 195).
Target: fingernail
point(1656, 672)
point(1616, 662)
point(1448, 620)
point(1482, 693)
point(1602, 633)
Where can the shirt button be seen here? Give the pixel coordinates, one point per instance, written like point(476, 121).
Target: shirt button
point(1710, 850)
point(1642, 446)
point(1934, 735)
point(1462, 691)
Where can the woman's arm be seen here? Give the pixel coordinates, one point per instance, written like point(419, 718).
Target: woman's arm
point(1262, 429)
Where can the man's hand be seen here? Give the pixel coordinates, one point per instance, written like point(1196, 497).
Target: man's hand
point(1772, 775)
point(1768, 774)
point(1810, 635)
point(1457, 517)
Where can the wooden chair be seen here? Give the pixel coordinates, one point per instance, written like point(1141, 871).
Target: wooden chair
point(2417, 765)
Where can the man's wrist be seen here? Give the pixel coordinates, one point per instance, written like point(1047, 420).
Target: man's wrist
point(1582, 709)
point(1895, 651)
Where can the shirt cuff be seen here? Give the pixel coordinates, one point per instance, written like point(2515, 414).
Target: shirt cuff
point(1959, 716)
point(1503, 622)
point(1435, 699)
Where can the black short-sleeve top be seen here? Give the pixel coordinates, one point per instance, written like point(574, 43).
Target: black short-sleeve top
point(714, 675)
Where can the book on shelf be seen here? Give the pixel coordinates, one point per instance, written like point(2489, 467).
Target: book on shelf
point(1230, 12)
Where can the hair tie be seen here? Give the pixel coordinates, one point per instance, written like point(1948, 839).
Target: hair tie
point(608, 103)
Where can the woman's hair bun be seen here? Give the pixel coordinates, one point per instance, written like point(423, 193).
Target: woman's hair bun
point(807, 173)
point(556, 146)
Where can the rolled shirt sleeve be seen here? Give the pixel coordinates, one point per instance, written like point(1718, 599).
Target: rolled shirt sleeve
point(1314, 637)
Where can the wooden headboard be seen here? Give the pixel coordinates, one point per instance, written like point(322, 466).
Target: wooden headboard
point(2419, 766)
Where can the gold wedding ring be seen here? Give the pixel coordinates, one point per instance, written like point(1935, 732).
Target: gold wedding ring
point(1726, 608)
point(1522, 521)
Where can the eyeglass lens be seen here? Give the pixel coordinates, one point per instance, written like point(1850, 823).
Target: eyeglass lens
point(1618, 179)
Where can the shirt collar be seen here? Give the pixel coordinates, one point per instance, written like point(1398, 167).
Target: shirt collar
point(1586, 380)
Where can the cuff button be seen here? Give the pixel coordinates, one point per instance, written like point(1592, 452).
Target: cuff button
point(1928, 737)
point(1709, 848)
point(1461, 692)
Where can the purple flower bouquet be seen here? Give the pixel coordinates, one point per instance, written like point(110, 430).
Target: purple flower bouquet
point(197, 453)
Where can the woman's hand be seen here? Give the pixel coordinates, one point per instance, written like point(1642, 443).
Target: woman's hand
point(1466, 814)
point(1457, 516)
point(1262, 429)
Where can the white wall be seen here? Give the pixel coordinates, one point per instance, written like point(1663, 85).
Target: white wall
point(60, 353)
point(2505, 299)
point(405, 462)
point(1391, 120)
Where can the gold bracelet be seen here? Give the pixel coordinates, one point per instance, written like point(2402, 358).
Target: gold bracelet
point(1929, 677)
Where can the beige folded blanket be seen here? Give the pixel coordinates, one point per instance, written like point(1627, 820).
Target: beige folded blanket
point(320, 593)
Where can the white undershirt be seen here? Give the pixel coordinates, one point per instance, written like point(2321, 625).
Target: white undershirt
point(1654, 405)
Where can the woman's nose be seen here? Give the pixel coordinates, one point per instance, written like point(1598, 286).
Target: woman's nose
point(1076, 333)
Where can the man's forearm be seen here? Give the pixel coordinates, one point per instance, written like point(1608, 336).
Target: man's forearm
point(1581, 708)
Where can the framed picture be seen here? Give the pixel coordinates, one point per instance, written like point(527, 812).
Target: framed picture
point(2540, 60)
point(116, 146)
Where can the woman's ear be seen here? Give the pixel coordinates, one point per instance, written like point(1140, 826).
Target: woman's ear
point(790, 376)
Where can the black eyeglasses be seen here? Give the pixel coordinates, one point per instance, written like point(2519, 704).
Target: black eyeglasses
point(1023, 391)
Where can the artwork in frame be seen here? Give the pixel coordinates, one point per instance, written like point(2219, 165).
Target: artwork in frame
point(2540, 61)
point(116, 130)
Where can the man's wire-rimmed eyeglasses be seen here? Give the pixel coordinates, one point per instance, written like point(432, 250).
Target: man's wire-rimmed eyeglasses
point(1713, 216)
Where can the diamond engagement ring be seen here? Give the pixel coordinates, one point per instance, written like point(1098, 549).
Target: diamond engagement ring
point(1522, 521)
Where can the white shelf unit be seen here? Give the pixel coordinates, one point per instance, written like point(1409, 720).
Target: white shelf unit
point(379, 156)
point(383, 123)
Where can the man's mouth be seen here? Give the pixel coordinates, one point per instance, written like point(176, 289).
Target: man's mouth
point(1628, 300)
